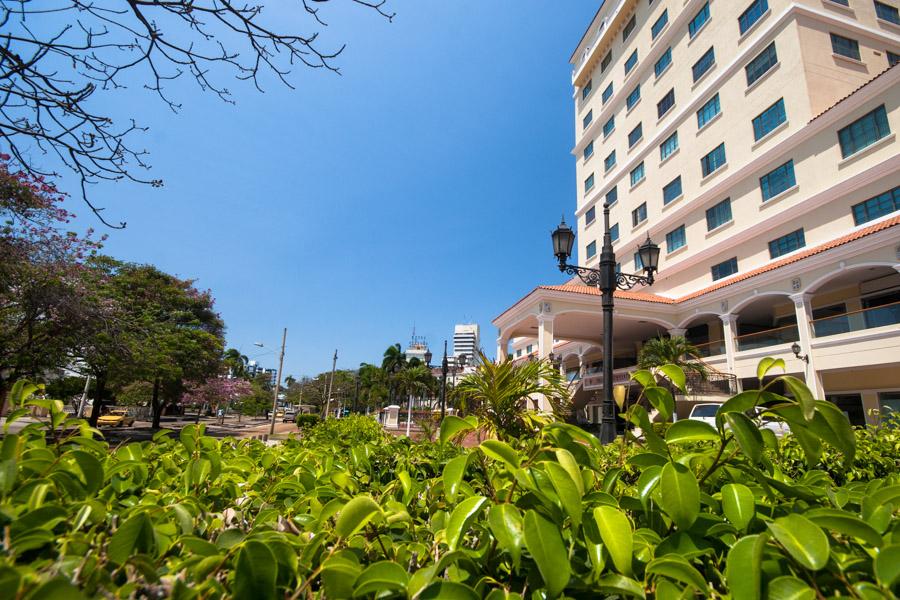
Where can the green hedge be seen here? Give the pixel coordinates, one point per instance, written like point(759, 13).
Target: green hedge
point(306, 420)
point(346, 510)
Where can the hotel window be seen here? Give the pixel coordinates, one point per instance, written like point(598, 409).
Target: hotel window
point(718, 215)
point(607, 94)
point(704, 64)
point(606, 60)
point(753, 13)
point(638, 263)
point(529, 348)
point(629, 27)
point(590, 251)
point(659, 24)
point(708, 111)
point(590, 215)
point(699, 20)
point(635, 136)
point(610, 161)
point(667, 102)
point(714, 160)
point(518, 353)
point(841, 2)
point(637, 174)
point(724, 269)
point(639, 215)
point(614, 233)
point(612, 196)
point(769, 119)
point(757, 67)
point(787, 243)
point(589, 150)
point(893, 59)
point(880, 205)
point(845, 46)
point(589, 183)
point(778, 180)
point(629, 64)
point(586, 90)
point(886, 12)
point(633, 97)
point(668, 147)
point(864, 132)
point(609, 126)
point(664, 61)
point(587, 119)
point(672, 190)
point(675, 239)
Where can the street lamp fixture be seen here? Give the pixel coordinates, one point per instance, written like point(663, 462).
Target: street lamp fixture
point(608, 280)
point(427, 358)
point(795, 348)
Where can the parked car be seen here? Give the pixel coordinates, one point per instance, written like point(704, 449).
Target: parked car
point(117, 417)
point(705, 412)
point(289, 417)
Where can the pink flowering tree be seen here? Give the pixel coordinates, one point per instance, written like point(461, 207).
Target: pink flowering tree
point(215, 392)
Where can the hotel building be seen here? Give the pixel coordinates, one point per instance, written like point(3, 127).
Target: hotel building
point(755, 142)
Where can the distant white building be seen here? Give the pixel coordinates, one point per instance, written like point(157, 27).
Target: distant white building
point(466, 341)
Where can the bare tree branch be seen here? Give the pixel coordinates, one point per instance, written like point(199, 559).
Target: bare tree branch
point(50, 73)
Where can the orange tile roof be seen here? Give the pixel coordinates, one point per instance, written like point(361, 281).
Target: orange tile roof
point(578, 288)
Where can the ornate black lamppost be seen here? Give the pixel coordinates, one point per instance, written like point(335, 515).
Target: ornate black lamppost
point(607, 279)
point(445, 365)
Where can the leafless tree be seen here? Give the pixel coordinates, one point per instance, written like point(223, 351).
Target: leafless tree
point(56, 55)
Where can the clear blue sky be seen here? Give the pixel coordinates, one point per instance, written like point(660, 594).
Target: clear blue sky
point(418, 187)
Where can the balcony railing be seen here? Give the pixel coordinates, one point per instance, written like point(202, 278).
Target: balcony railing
point(769, 337)
point(857, 320)
point(711, 348)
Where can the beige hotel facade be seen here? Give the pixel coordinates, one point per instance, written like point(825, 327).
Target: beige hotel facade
point(755, 142)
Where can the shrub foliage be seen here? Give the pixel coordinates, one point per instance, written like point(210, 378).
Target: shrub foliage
point(347, 511)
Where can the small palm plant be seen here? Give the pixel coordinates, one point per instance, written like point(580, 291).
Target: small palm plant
point(499, 393)
point(674, 350)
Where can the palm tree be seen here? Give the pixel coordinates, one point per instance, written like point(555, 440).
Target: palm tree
point(674, 350)
point(235, 361)
point(498, 393)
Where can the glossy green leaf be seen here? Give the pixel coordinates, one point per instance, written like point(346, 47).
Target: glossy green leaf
point(545, 544)
point(355, 514)
point(690, 430)
point(845, 523)
point(448, 590)
point(887, 566)
point(613, 583)
point(617, 535)
point(767, 364)
point(661, 399)
point(453, 474)
point(134, 536)
point(801, 394)
point(568, 462)
point(58, 588)
point(380, 577)
point(743, 567)
point(451, 426)
point(738, 504)
point(679, 494)
point(505, 523)
point(677, 568)
point(255, 572)
point(788, 587)
point(804, 540)
point(675, 374)
point(644, 377)
point(501, 451)
point(460, 519)
point(566, 490)
point(746, 433)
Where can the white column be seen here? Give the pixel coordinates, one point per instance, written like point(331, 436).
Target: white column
point(545, 336)
point(729, 328)
point(677, 332)
point(803, 309)
point(502, 348)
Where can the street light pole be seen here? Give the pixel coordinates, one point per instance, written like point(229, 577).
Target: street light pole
point(608, 280)
point(278, 382)
point(444, 366)
point(330, 384)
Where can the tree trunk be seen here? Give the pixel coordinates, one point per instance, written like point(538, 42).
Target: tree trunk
point(155, 407)
point(99, 390)
point(3, 393)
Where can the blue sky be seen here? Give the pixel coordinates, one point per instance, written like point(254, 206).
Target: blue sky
point(417, 188)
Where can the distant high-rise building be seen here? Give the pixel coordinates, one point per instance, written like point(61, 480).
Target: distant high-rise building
point(466, 341)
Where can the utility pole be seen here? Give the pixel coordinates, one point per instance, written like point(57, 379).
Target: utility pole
point(331, 384)
point(87, 385)
point(278, 383)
